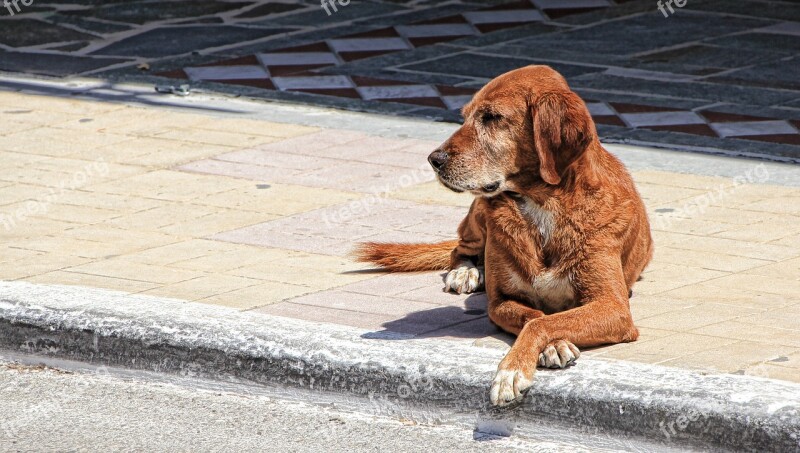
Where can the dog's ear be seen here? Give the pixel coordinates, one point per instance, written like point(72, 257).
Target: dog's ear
point(562, 130)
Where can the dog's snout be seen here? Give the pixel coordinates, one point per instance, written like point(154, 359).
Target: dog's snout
point(437, 159)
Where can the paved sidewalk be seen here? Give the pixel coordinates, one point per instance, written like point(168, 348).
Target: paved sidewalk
point(260, 216)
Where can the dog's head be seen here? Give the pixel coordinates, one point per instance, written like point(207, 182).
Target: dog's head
point(523, 127)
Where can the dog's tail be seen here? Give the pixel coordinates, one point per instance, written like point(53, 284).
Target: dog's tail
point(397, 257)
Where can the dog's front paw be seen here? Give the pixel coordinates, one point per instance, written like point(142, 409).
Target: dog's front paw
point(559, 354)
point(464, 279)
point(509, 386)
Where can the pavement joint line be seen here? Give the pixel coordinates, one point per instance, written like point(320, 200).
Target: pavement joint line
point(664, 405)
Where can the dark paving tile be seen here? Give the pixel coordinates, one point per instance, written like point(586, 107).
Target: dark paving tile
point(163, 42)
point(486, 66)
point(780, 74)
point(53, 65)
point(649, 30)
point(87, 24)
point(758, 42)
point(783, 10)
point(268, 9)
point(696, 57)
point(30, 32)
point(141, 12)
point(317, 17)
point(683, 91)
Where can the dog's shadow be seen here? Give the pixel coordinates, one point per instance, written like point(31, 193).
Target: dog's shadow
point(467, 322)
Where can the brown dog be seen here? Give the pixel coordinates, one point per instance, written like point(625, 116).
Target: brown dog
point(557, 224)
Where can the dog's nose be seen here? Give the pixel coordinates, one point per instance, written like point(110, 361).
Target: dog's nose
point(437, 159)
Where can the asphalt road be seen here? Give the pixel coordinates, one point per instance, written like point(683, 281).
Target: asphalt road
point(46, 409)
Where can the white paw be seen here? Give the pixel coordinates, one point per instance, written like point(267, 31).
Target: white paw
point(464, 279)
point(508, 386)
point(559, 354)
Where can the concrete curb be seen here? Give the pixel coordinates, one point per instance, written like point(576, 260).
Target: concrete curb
point(669, 406)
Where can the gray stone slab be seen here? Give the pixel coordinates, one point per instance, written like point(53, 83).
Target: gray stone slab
point(351, 12)
point(759, 42)
point(166, 41)
point(52, 64)
point(141, 12)
point(781, 10)
point(716, 92)
point(31, 32)
point(780, 74)
point(651, 31)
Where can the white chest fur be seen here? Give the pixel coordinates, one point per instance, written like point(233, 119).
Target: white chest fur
point(539, 217)
point(547, 291)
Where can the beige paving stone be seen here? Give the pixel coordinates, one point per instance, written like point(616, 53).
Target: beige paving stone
point(706, 260)
point(644, 305)
point(257, 296)
point(783, 317)
point(92, 281)
point(71, 246)
point(48, 104)
point(179, 251)
point(169, 185)
point(159, 152)
point(771, 228)
point(216, 137)
point(15, 192)
point(770, 252)
point(789, 269)
point(432, 193)
point(127, 269)
point(37, 265)
point(255, 127)
point(50, 141)
point(203, 287)
point(115, 202)
point(75, 213)
point(645, 334)
point(10, 254)
point(278, 199)
point(782, 205)
point(667, 348)
point(28, 118)
point(13, 159)
point(791, 242)
point(230, 257)
point(683, 180)
point(109, 234)
point(660, 277)
point(696, 226)
point(317, 280)
point(657, 194)
point(740, 330)
point(217, 222)
point(773, 285)
point(168, 213)
point(12, 230)
point(712, 291)
point(369, 321)
point(773, 371)
point(697, 316)
point(729, 358)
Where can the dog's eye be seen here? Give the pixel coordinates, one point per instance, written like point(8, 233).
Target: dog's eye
point(489, 117)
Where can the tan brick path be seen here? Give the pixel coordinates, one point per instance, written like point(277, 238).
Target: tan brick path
point(260, 216)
